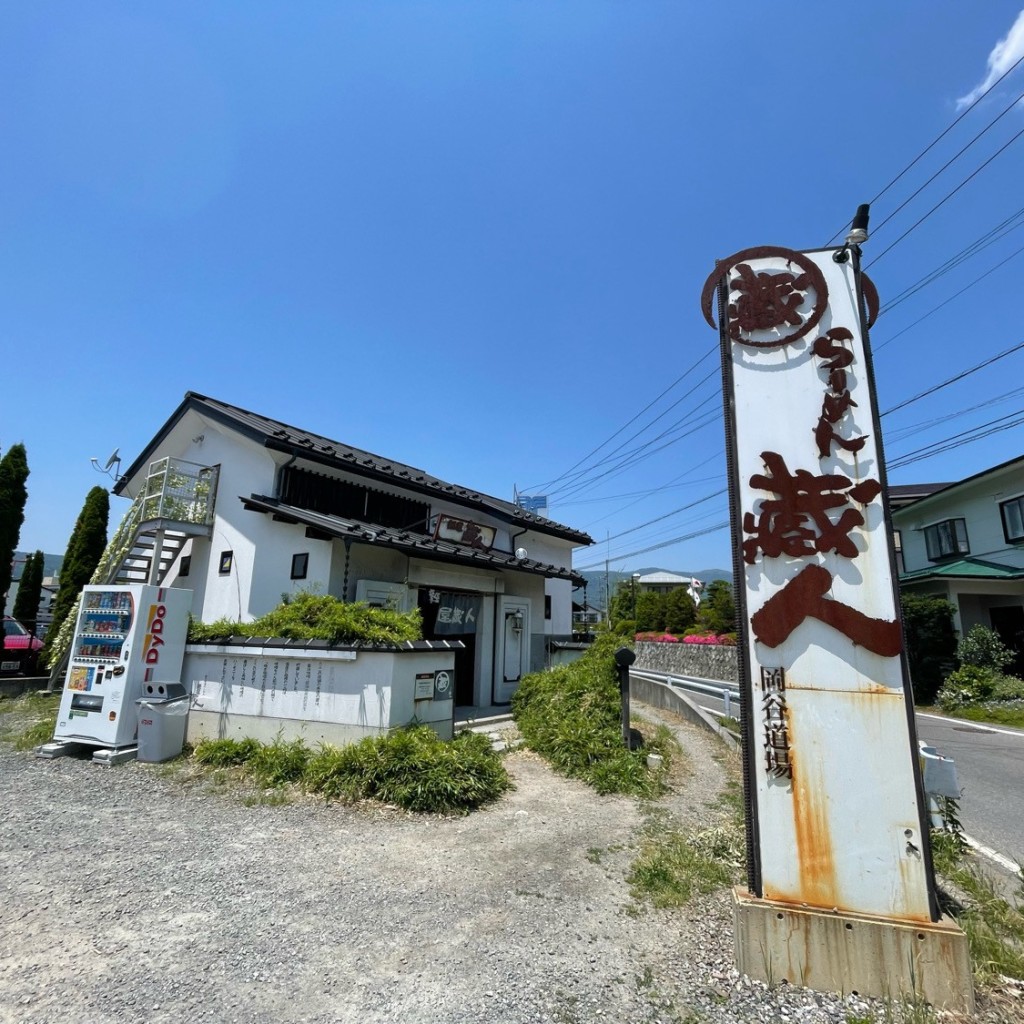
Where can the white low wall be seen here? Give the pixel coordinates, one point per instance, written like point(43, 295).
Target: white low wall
point(321, 695)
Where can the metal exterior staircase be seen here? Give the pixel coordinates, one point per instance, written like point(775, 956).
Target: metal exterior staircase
point(176, 502)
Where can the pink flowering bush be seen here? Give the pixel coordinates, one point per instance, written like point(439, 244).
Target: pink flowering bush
point(713, 639)
point(657, 638)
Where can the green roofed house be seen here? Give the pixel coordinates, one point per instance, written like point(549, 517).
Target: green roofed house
point(964, 541)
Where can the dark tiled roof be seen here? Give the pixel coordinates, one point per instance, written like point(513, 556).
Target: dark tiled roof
point(407, 541)
point(283, 437)
point(904, 494)
point(287, 644)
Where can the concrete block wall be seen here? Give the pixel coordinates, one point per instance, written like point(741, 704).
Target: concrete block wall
point(705, 661)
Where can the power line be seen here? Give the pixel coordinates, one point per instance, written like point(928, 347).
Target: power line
point(938, 138)
point(653, 402)
point(573, 484)
point(667, 515)
point(949, 195)
point(956, 156)
point(979, 245)
point(952, 380)
point(965, 437)
point(955, 295)
point(656, 547)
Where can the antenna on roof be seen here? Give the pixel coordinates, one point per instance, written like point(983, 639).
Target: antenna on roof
point(112, 467)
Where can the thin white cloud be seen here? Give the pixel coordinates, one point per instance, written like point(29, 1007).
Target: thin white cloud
point(1004, 55)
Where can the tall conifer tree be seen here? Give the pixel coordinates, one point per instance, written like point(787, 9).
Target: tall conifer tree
point(30, 590)
point(13, 495)
point(85, 548)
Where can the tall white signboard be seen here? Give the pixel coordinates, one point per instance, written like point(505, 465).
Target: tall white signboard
point(836, 815)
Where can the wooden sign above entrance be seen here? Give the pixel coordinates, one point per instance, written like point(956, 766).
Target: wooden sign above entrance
point(464, 531)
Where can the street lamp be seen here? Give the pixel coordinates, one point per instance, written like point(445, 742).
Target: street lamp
point(635, 581)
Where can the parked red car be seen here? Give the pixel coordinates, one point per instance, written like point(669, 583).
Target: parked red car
point(21, 648)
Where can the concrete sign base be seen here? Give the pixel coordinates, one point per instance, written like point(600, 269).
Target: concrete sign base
point(853, 953)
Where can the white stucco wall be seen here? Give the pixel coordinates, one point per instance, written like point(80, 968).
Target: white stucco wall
point(977, 503)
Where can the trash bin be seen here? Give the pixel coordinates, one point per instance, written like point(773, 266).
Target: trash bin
point(163, 713)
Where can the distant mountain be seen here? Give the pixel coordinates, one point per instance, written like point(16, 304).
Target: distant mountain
point(596, 581)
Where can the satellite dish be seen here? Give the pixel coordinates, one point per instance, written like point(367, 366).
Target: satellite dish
point(114, 457)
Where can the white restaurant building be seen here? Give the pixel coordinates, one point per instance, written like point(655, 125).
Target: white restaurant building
point(297, 511)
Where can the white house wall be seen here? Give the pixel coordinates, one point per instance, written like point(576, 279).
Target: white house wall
point(978, 504)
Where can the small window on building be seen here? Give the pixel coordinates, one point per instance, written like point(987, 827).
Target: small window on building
point(300, 565)
point(946, 539)
point(1013, 519)
point(186, 565)
point(226, 558)
point(547, 606)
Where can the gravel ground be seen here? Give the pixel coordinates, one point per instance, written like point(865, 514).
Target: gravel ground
point(127, 895)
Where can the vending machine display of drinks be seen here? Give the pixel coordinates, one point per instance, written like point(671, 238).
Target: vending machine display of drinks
point(125, 637)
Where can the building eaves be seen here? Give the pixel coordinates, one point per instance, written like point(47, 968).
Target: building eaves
point(283, 437)
point(965, 569)
point(948, 489)
point(407, 541)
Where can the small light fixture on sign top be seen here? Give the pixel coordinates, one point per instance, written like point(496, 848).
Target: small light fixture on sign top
point(858, 233)
point(521, 553)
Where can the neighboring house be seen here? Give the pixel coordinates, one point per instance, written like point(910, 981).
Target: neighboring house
point(661, 582)
point(965, 542)
point(666, 582)
point(242, 509)
point(904, 494)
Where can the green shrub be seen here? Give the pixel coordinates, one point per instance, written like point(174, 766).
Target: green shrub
point(983, 648)
point(280, 762)
point(572, 716)
point(225, 753)
point(309, 616)
point(412, 768)
point(970, 684)
point(1008, 688)
point(931, 643)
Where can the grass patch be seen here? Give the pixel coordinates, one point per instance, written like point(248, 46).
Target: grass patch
point(669, 871)
point(572, 716)
point(993, 924)
point(29, 720)
point(411, 768)
point(995, 714)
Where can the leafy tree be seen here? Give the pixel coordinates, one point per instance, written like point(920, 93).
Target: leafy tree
point(623, 603)
point(983, 647)
point(13, 495)
point(680, 611)
point(717, 612)
point(931, 642)
point(650, 611)
point(30, 590)
point(85, 548)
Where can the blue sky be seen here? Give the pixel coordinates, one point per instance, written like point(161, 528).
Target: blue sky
point(472, 236)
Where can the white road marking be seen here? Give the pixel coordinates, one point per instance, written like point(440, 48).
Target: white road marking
point(986, 851)
point(972, 726)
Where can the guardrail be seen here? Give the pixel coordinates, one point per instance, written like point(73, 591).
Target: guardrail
point(728, 695)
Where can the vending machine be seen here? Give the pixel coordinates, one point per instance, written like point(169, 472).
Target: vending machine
point(126, 636)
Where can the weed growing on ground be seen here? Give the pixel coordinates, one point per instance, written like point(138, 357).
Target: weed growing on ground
point(572, 716)
point(994, 925)
point(30, 720)
point(670, 870)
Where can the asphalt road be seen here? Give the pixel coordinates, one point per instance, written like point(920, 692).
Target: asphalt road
point(990, 773)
